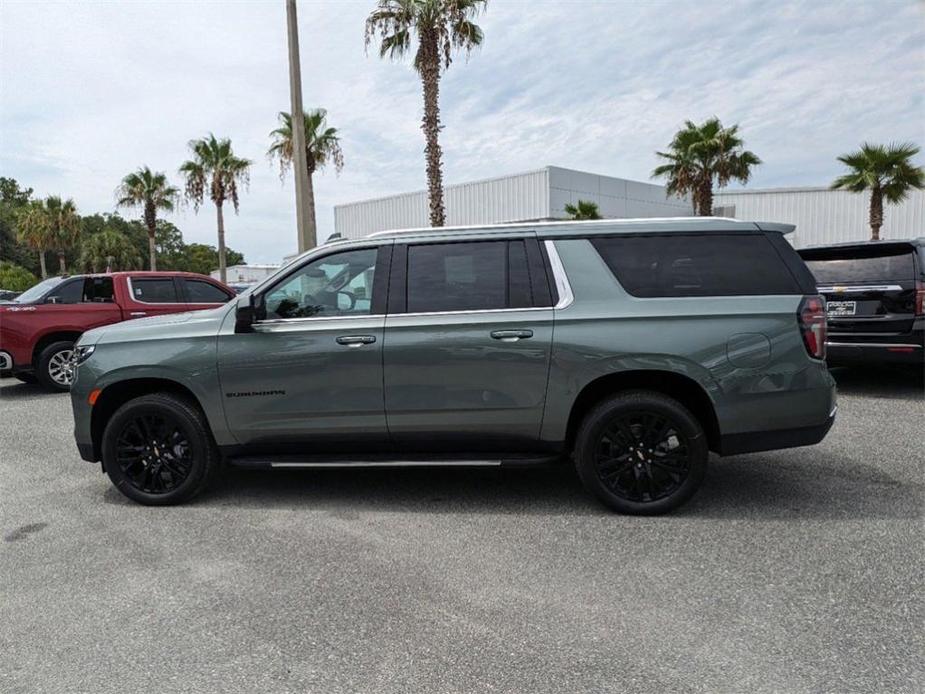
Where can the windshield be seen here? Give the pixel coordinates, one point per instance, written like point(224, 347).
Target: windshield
point(38, 291)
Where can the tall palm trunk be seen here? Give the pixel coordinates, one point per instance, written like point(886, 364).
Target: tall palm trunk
point(151, 249)
point(221, 241)
point(42, 264)
point(61, 265)
point(151, 223)
point(705, 204)
point(876, 212)
point(430, 79)
point(310, 201)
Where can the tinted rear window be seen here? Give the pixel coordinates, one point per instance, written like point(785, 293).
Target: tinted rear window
point(696, 265)
point(860, 265)
point(202, 292)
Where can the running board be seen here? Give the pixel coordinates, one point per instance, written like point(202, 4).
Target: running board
point(301, 462)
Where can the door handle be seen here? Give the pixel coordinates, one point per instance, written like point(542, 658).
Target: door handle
point(137, 313)
point(355, 340)
point(511, 335)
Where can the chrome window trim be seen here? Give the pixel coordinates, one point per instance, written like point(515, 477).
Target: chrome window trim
point(131, 291)
point(847, 289)
point(314, 319)
point(563, 288)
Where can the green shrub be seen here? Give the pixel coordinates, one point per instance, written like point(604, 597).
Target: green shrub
point(15, 278)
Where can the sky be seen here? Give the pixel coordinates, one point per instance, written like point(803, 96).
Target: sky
point(90, 91)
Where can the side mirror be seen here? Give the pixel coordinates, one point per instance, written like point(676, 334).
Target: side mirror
point(246, 314)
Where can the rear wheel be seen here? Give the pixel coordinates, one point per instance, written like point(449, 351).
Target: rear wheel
point(54, 369)
point(641, 453)
point(157, 450)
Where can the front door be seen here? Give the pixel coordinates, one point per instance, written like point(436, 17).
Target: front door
point(467, 347)
point(309, 377)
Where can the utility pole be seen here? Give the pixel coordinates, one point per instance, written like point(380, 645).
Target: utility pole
point(304, 223)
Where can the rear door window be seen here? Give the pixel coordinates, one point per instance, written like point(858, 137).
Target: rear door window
point(468, 276)
point(202, 292)
point(678, 265)
point(154, 290)
point(860, 265)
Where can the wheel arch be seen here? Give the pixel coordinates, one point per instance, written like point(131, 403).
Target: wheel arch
point(49, 338)
point(682, 388)
point(113, 396)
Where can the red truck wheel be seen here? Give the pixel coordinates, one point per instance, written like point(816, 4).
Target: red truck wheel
point(54, 370)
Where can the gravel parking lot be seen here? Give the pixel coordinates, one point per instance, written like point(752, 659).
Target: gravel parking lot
point(792, 571)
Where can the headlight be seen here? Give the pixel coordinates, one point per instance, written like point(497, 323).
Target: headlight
point(82, 353)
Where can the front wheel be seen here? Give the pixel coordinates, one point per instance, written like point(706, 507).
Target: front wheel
point(641, 453)
point(55, 370)
point(158, 451)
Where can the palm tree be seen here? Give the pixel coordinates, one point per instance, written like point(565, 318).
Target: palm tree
point(150, 191)
point(701, 156)
point(440, 26)
point(108, 249)
point(887, 172)
point(64, 226)
point(584, 209)
point(321, 146)
point(215, 165)
point(34, 231)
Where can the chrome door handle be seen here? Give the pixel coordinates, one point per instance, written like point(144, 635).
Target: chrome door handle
point(511, 335)
point(137, 313)
point(355, 340)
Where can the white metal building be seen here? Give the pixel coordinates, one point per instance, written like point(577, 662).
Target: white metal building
point(820, 215)
point(529, 196)
point(246, 274)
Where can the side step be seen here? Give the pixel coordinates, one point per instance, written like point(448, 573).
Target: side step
point(367, 461)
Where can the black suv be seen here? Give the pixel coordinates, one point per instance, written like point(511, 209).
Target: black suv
point(876, 299)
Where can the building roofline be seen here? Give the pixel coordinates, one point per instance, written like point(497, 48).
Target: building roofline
point(769, 191)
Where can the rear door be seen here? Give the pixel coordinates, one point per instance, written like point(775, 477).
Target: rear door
point(467, 345)
point(870, 289)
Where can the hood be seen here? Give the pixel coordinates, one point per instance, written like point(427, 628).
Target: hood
point(160, 327)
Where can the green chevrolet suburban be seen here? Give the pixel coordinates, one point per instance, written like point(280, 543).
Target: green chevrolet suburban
point(632, 348)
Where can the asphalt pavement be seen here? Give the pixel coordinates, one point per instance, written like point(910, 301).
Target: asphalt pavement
point(791, 571)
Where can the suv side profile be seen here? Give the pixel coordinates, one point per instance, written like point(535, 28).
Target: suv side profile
point(633, 347)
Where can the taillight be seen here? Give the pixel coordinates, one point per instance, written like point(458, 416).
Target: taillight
point(920, 298)
point(812, 325)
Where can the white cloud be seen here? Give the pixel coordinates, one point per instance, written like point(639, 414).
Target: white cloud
point(90, 91)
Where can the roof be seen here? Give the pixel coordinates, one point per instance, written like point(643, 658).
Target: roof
point(918, 241)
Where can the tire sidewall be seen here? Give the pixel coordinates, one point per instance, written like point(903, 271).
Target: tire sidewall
point(603, 415)
point(41, 371)
point(199, 445)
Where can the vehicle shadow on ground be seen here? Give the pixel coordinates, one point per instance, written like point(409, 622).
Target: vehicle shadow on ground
point(11, 388)
point(900, 382)
point(790, 486)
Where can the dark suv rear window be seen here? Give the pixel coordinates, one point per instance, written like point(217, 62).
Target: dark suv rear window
point(847, 265)
point(665, 265)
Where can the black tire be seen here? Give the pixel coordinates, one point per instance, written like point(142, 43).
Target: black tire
point(25, 377)
point(136, 450)
point(50, 372)
point(641, 453)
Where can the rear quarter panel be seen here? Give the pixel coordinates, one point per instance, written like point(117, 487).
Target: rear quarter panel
point(745, 352)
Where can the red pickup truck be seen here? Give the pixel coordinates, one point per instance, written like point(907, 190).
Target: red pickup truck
point(38, 328)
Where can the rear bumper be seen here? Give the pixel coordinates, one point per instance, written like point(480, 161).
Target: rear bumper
point(752, 442)
point(900, 352)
